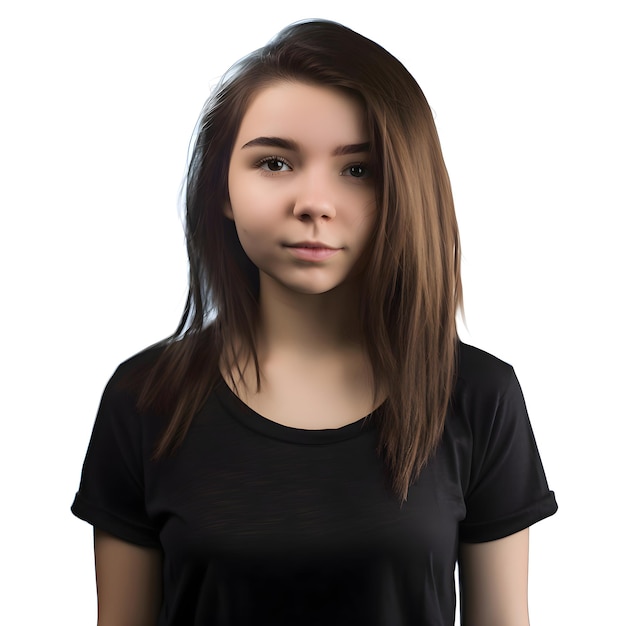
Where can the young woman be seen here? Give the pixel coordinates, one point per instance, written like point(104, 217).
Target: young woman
point(314, 445)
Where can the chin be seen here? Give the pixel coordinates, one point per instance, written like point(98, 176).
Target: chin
point(321, 289)
point(310, 285)
point(313, 291)
point(310, 288)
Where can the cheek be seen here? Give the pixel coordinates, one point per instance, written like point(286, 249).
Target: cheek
point(364, 221)
point(254, 222)
point(241, 193)
point(250, 201)
point(252, 217)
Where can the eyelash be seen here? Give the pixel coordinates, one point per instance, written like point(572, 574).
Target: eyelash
point(362, 165)
point(269, 159)
point(259, 164)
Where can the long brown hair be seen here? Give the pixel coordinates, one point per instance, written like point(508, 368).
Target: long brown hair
point(411, 287)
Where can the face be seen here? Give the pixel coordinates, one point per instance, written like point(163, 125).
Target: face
point(301, 191)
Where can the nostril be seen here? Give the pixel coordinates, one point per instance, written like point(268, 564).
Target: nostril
point(314, 210)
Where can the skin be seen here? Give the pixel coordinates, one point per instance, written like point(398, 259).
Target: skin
point(306, 190)
point(128, 578)
point(493, 580)
point(311, 186)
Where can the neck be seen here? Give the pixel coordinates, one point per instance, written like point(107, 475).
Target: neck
point(311, 324)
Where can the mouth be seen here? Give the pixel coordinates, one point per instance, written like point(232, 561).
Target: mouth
point(311, 250)
point(310, 244)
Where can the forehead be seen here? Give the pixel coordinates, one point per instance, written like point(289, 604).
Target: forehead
point(304, 112)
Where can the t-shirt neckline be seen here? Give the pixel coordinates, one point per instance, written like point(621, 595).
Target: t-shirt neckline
point(247, 416)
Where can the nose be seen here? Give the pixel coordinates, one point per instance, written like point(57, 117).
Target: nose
point(314, 199)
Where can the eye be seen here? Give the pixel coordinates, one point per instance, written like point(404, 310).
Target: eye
point(273, 164)
point(356, 170)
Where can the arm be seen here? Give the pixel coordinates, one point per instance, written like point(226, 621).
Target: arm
point(494, 582)
point(128, 579)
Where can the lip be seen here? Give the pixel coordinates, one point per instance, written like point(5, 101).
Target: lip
point(311, 250)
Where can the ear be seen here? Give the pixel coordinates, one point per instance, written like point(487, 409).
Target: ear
point(228, 211)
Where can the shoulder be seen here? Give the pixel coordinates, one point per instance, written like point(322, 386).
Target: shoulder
point(121, 417)
point(130, 376)
point(486, 389)
point(141, 362)
point(487, 396)
point(481, 373)
point(125, 388)
point(169, 374)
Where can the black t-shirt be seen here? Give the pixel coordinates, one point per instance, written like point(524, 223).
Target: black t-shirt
point(260, 523)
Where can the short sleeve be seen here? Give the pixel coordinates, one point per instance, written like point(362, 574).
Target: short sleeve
point(507, 490)
point(111, 495)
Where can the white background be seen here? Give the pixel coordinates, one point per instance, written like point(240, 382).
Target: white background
point(99, 101)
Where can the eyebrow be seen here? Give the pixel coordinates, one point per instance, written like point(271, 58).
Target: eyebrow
point(288, 144)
